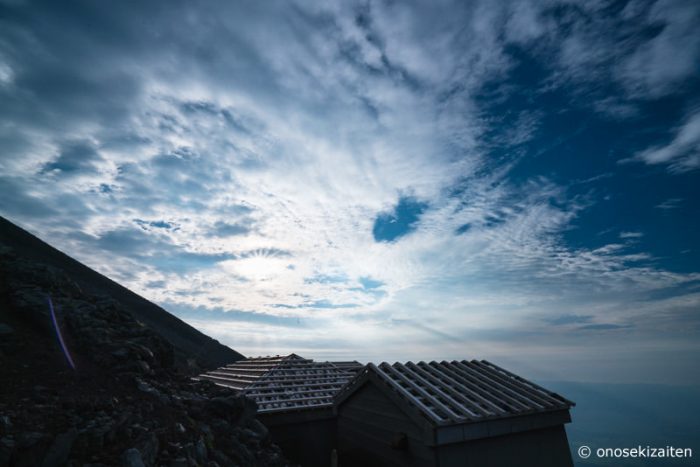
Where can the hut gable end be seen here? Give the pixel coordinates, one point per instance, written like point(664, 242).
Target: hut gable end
point(466, 413)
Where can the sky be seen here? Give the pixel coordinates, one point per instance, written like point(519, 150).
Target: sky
point(375, 180)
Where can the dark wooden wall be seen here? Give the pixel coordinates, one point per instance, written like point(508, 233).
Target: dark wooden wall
point(307, 441)
point(368, 423)
point(546, 447)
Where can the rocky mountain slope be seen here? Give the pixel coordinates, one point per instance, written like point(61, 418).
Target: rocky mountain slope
point(86, 381)
point(186, 340)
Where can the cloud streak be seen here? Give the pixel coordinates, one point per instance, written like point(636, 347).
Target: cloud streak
point(682, 153)
point(338, 178)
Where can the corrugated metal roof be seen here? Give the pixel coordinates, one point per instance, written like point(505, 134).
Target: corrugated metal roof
point(283, 383)
point(353, 366)
point(461, 392)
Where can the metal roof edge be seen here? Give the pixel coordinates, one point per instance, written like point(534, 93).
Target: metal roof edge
point(350, 387)
point(526, 381)
point(501, 426)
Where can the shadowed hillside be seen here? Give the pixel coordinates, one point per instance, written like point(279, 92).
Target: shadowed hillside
point(188, 342)
point(93, 374)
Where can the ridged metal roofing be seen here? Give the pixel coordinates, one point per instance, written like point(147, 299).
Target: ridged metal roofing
point(283, 383)
point(461, 392)
point(353, 366)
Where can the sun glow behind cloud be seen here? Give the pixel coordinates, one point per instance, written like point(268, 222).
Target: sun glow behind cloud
point(360, 180)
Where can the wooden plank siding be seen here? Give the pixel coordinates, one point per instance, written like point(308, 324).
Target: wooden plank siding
point(369, 417)
point(306, 443)
point(367, 425)
point(547, 447)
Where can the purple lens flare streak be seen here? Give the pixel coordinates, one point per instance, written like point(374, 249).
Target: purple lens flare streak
point(60, 336)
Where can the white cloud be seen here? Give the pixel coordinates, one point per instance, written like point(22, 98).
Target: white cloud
point(613, 62)
point(671, 203)
point(682, 153)
point(295, 128)
point(626, 235)
point(660, 65)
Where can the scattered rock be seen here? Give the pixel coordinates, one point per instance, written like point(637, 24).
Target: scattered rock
point(126, 403)
point(132, 458)
point(148, 446)
point(120, 354)
point(258, 428)
point(147, 388)
point(143, 367)
point(201, 451)
point(29, 439)
point(7, 445)
point(60, 449)
point(5, 424)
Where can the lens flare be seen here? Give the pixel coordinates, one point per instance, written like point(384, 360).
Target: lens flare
point(60, 336)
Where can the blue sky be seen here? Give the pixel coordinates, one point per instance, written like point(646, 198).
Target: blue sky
point(515, 181)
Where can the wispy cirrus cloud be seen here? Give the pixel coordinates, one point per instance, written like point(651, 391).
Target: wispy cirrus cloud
point(671, 203)
point(627, 235)
point(344, 169)
point(681, 153)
